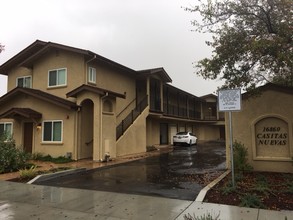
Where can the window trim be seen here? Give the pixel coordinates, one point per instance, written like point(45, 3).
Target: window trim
point(24, 77)
point(43, 130)
point(57, 85)
point(90, 75)
point(5, 123)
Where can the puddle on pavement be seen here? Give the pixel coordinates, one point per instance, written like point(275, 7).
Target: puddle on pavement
point(171, 175)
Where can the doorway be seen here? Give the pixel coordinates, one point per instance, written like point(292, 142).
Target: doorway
point(163, 133)
point(28, 136)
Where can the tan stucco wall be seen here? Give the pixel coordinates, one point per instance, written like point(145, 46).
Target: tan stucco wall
point(49, 112)
point(17, 72)
point(153, 135)
point(134, 139)
point(76, 75)
point(109, 134)
point(74, 63)
point(117, 81)
point(270, 104)
point(207, 132)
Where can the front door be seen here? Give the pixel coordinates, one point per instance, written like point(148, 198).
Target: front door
point(163, 133)
point(28, 137)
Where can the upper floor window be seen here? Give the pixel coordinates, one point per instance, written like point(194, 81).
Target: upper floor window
point(52, 131)
point(92, 73)
point(57, 77)
point(24, 81)
point(6, 128)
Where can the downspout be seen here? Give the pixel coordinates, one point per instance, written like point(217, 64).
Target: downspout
point(77, 135)
point(101, 126)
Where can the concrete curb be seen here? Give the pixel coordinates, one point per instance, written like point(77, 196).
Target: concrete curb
point(203, 192)
point(44, 177)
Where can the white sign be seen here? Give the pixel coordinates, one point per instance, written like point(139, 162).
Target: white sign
point(229, 100)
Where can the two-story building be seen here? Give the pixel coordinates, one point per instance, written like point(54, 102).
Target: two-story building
point(66, 101)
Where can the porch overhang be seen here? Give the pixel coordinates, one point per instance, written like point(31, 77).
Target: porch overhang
point(99, 91)
point(21, 112)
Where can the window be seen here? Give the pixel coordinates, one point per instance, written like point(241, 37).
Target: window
point(24, 81)
point(52, 131)
point(6, 128)
point(92, 75)
point(57, 77)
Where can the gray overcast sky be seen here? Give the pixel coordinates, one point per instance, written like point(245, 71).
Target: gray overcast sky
point(139, 34)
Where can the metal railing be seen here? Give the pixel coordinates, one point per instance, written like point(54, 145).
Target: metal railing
point(130, 118)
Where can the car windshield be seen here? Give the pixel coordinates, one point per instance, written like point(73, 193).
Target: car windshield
point(182, 133)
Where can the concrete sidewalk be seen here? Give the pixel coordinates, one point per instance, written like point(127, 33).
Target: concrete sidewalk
point(24, 201)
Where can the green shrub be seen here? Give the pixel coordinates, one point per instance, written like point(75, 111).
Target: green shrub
point(11, 158)
point(36, 156)
point(240, 157)
point(45, 158)
point(60, 159)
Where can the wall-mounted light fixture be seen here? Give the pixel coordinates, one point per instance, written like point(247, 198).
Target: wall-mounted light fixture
point(39, 126)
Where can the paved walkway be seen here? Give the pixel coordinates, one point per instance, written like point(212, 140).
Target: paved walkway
point(24, 201)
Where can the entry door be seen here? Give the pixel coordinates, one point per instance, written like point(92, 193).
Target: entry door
point(28, 137)
point(163, 133)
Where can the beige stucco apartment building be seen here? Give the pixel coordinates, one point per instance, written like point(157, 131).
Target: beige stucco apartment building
point(264, 126)
point(66, 101)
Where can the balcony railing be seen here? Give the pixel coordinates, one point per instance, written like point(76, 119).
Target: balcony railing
point(175, 111)
point(130, 118)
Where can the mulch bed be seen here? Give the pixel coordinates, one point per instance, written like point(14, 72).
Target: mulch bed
point(267, 190)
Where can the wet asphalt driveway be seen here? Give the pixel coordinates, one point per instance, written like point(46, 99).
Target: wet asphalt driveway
point(171, 175)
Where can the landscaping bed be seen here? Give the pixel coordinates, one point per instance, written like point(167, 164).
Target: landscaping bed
point(25, 179)
point(266, 190)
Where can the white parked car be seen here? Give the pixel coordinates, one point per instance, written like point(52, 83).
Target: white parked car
point(184, 138)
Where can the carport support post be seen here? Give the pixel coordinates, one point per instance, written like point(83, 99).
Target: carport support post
point(231, 148)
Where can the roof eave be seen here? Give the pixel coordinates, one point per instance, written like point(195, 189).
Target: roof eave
point(74, 93)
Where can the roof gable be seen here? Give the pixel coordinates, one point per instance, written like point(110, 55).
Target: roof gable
point(55, 100)
point(27, 56)
point(23, 112)
point(99, 91)
point(160, 72)
point(267, 87)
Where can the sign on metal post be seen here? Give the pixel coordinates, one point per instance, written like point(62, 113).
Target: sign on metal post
point(230, 100)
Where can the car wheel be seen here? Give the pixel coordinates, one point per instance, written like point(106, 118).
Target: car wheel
point(174, 144)
point(190, 142)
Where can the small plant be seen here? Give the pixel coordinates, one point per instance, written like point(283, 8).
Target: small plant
point(251, 201)
point(262, 185)
point(28, 173)
point(238, 177)
point(290, 187)
point(240, 158)
point(202, 217)
point(37, 156)
point(228, 188)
